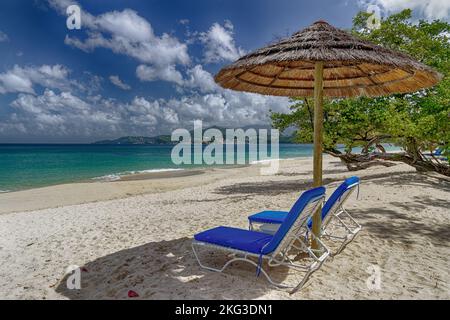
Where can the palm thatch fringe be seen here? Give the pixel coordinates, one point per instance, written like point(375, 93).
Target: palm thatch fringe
point(352, 67)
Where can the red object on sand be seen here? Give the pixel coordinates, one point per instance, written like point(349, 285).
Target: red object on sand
point(132, 294)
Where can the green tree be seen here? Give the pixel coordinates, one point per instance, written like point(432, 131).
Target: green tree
point(418, 122)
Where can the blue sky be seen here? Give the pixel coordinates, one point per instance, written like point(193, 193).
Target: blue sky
point(145, 67)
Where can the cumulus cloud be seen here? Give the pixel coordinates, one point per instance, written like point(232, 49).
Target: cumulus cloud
point(89, 83)
point(67, 115)
point(219, 43)
point(60, 115)
point(22, 79)
point(430, 9)
point(227, 108)
point(126, 32)
point(64, 115)
point(200, 79)
point(197, 78)
point(152, 73)
point(138, 42)
point(3, 36)
point(119, 83)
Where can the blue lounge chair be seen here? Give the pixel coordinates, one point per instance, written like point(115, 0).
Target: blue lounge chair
point(275, 248)
point(439, 154)
point(270, 221)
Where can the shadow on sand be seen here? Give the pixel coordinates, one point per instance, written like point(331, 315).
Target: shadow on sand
point(398, 224)
point(398, 221)
point(390, 220)
point(299, 185)
point(166, 270)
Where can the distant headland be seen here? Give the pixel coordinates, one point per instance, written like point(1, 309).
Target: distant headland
point(166, 139)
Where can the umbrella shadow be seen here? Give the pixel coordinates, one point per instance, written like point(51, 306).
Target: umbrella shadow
point(403, 228)
point(412, 179)
point(166, 270)
point(395, 222)
point(308, 174)
point(280, 187)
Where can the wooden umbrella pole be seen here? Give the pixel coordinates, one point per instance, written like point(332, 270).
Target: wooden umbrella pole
point(318, 139)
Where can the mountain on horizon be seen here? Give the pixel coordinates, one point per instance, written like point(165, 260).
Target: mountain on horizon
point(166, 139)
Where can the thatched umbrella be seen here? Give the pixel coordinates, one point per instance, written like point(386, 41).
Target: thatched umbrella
point(322, 60)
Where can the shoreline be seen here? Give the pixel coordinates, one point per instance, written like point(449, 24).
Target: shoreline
point(129, 185)
point(14, 180)
point(149, 174)
point(87, 191)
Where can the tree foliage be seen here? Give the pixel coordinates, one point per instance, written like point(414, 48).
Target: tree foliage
point(419, 122)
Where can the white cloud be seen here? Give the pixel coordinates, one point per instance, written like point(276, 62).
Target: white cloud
point(3, 37)
point(430, 9)
point(219, 44)
point(197, 78)
point(49, 101)
point(227, 108)
point(125, 24)
point(11, 82)
point(158, 110)
point(167, 73)
point(22, 79)
point(91, 83)
point(200, 79)
point(125, 32)
point(67, 115)
point(119, 83)
point(51, 113)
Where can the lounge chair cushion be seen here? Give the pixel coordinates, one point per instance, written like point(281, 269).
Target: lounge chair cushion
point(296, 210)
point(276, 217)
point(240, 239)
point(272, 217)
point(347, 184)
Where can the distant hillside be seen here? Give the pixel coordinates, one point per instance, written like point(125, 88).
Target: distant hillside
point(166, 139)
point(163, 139)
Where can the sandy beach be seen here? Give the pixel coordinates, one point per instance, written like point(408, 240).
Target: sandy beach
point(136, 234)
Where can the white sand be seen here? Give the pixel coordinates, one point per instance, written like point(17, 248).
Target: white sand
point(142, 242)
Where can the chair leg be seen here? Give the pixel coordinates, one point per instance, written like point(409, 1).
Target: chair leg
point(245, 259)
point(350, 237)
point(314, 267)
point(319, 260)
point(351, 232)
point(208, 267)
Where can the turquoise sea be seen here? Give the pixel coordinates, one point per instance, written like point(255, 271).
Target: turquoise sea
point(29, 166)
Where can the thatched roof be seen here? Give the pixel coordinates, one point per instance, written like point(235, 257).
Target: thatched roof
point(352, 67)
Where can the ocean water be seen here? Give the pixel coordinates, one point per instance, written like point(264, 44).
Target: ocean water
point(30, 166)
